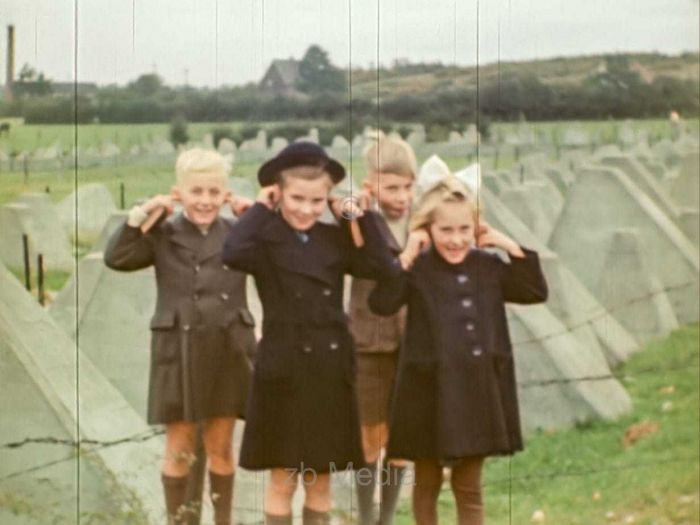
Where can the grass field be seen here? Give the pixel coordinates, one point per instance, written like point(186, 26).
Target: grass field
point(586, 476)
point(30, 137)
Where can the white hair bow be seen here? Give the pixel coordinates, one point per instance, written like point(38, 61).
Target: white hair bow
point(435, 169)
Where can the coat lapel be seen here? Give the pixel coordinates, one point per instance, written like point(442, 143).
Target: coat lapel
point(316, 258)
point(187, 235)
point(388, 236)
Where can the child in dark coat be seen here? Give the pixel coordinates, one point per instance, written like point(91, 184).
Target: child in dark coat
point(455, 400)
point(202, 332)
point(302, 416)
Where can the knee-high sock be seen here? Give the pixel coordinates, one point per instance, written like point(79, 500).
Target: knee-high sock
point(174, 490)
point(221, 489)
point(315, 517)
point(426, 491)
point(271, 519)
point(391, 482)
point(365, 483)
point(466, 486)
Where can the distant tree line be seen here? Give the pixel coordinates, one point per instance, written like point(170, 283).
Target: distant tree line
point(614, 92)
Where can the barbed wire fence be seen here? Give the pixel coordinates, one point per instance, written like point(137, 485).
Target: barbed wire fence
point(82, 446)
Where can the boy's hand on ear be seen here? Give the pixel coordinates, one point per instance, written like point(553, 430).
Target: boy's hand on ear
point(269, 195)
point(159, 201)
point(365, 198)
point(486, 237)
point(418, 240)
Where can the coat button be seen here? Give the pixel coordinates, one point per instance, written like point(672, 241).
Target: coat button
point(467, 302)
point(307, 349)
point(195, 297)
point(477, 351)
point(334, 346)
point(470, 327)
point(197, 268)
point(461, 278)
point(225, 267)
point(326, 292)
point(186, 328)
point(224, 296)
point(297, 295)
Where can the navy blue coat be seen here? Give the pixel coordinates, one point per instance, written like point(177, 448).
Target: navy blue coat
point(302, 410)
point(455, 393)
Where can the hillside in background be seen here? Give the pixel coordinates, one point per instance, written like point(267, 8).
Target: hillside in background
point(416, 79)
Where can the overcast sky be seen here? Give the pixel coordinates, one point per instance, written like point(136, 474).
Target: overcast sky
point(215, 42)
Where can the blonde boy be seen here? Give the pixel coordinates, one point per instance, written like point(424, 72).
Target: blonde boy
point(202, 332)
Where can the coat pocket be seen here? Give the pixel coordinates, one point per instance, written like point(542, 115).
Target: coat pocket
point(504, 365)
point(163, 321)
point(242, 334)
point(165, 340)
point(274, 365)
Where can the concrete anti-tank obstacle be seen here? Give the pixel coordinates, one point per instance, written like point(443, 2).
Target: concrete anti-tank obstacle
point(91, 205)
point(635, 294)
point(552, 368)
point(569, 299)
point(43, 368)
point(525, 204)
point(36, 218)
point(636, 171)
point(685, 183)
point(604, 200)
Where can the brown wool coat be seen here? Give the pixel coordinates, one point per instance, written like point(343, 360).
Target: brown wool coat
point(374, 333)
point(202, 332)
point(455, 393)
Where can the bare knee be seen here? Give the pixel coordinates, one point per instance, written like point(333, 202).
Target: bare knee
point(283, 483)
point(218, 435)
point(318, 491)
point(374, 438)
point(179, 448)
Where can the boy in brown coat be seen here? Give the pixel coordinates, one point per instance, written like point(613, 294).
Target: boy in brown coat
point(391, 171)
point(202, 332)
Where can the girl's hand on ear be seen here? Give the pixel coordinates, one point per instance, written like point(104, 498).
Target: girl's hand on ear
point(347, 208)
point(269, 195)
point(418, 240)
point(488, 237)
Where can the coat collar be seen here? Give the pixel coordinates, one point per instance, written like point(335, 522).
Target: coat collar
point(315, 258)
point(388, 236)
point(186, 234)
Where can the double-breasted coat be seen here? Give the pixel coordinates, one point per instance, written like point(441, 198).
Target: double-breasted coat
point(455, 393)
point(202, 340)
point(302, 411)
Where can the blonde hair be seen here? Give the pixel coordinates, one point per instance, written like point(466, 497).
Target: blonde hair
point(306, 172)
point(389, 155)
point(197, 160)
point(448, 190)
